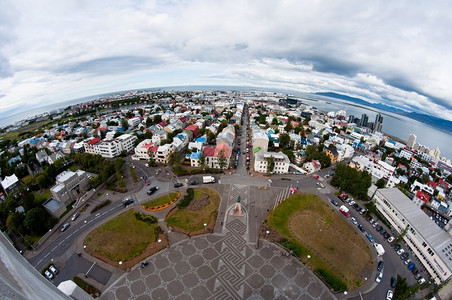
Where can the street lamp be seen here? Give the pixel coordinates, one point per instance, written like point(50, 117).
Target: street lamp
point(266, 233)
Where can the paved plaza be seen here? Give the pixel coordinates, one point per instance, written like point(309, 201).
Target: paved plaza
point(223, 265)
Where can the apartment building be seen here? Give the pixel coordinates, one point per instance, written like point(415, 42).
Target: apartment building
point(110, 148)
point(428, 242)
point(143, 149)
point(281, 161)
point(163, 152)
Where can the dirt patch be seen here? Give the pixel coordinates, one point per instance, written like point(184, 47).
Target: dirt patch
point(128, 264)
point(199, 203)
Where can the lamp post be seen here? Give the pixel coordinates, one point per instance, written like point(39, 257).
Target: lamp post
point(266, 233)
point(205, 224)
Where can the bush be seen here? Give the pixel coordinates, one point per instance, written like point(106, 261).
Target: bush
point(292, 245)
point(101, 205)
point(86, 286)
point(187, 199)
point(157, 231)
point(335, 283)
point(145, 218)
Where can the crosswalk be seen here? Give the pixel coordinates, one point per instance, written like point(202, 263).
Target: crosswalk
point(284, 194)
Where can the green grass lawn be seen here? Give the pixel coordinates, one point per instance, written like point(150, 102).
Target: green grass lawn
point(195, 220)
point(160, 200)
point(314, 228)
point(122, 238)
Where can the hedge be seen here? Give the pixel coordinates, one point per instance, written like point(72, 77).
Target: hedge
point(187, 199)
point(101, 205)
point(335, 283)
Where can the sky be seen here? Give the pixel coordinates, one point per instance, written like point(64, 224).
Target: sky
point(392, 52)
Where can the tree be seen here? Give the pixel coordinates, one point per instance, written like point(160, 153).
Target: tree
point(270, 164)
point(202, 162)
point(380, 183)
point(284, 141)
point(274, 121)
point(222, 162)
point(124, 124)
point(148, 122)
point(151, 161)
point(36, 220)
point(288, 127)
point(157, 119)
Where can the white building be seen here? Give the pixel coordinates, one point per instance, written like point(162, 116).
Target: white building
point(110, 148)
point(69, 186)
point(406, 154)
point(260, 140)
point(9, 183)
point(158, 136)
point(430, 244)
point(127, 142)
point(281, 160)
point(163, 153)
point(134, 122)
point(143, 149)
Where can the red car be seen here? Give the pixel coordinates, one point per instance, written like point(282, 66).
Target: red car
point(316, 176)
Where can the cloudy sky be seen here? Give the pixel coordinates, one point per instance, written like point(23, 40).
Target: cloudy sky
point(395, 52)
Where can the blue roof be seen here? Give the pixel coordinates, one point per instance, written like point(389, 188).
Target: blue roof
point(195, 155)
point(201, 139)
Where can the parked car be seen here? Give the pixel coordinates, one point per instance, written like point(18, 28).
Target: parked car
point(178, 184)
point(421, 280)
point(379, 277)
point(53, 269)
point(404, 255)
point(383, 232)
point(152, 190)
point(64, 227)
point(408, 261)
point(401, 251)
point(393, 282)
point(370, 238)
point(368, 218)
point(48, 274)
point(386, 236)
point(379, 228)
point(391, 239)
point(363, 211)
point(193, 182)
point(144, 264)
point(389, 295)
point(380, 266)
point(361, 227)
point(375, 224)
point(397, 248)
point(316, 176)
point(411, 266)
point(353, 220)
point(334, 202)
point(415, 271)
point(372, 221)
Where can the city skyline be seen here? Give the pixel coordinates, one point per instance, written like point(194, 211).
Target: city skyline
point(53, 52)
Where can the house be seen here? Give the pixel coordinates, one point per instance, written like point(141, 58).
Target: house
point(195, 159)
point(260, 141)
point(312, 166)
point(134, 122)
point(54, 157)
point(10, 183)
point(127, 142)
point(143, 149)
point(163, 152)
point(158, 136)
point(421, 198)
point(281, 162)
point(70, 186)
point(332, 154)
point(41, 156)
point(213, 156)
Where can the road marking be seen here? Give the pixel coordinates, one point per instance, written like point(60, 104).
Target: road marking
point(98, 214)
point(54, 248)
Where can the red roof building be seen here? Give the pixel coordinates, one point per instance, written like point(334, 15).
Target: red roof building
point(423, 196)
point(194, 129)
point(93, 141)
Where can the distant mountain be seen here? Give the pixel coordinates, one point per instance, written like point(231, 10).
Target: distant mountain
point(427, 119)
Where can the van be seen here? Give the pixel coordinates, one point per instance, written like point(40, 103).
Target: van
point(75, 216)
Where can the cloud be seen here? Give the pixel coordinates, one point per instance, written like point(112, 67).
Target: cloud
point(393, 53)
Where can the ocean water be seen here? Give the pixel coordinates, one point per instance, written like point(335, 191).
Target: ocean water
point(393, 124)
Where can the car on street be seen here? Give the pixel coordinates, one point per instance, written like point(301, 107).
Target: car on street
point(320, 184)
point(193, 182)
point(334, 202)
point(393, 282)
point(389, 295)
point(370, 238)
point(48, 274)
point(75, 216)
point(152, 190)
point(401, 251)
point(361, 227)
point(178, 184)
point(316, 176)
point(64, 227)
point(126, 202)
point(53, 269)
point(379, 277)
point(353, 220)
point(391, 239)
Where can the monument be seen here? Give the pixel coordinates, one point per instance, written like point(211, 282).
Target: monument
point(237, 210)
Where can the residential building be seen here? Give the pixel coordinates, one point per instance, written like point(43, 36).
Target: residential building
point(158, 136)
point(54, 207)
point(134, 122)
point(212, 155)
point(127, 142)
point(280, 159)
point(405, 153)
point(260, 141)
point(421, 198)
point(163, 152)
point(195, 159)
point(10, 183)
point(431, 245)
point(143, 149)
point(378, 123)
point(70, 186)
point(411, 141)
point(312, 166)
point(332, 154)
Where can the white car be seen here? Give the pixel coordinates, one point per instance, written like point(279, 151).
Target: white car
point(375, 224)
point(53, 269)
point(352, 202)
point(379, 277)
point(391, 239)
point(389, 295)
point(353, 220)
point(408, 261)
point(401, 251)
point(421, 280)
point(48, 274)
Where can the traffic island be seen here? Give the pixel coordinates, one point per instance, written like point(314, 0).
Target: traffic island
point(126, 240)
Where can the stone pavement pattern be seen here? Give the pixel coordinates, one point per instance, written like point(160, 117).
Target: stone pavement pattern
point(222, 265)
